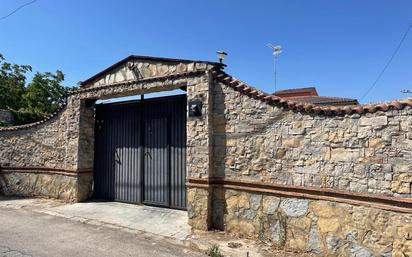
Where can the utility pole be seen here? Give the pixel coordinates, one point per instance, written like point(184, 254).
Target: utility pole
point(276, 51)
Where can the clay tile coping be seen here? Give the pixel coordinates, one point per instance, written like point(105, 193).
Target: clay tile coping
point(29, 125)
point(327, 110)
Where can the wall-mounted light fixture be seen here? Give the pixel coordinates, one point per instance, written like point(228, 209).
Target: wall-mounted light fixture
point(221, 55)
point(195, 108)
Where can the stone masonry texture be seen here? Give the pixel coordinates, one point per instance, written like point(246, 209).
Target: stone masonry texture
point(245, 139)
point(368, 153)
point(320, 227)
point(359, 153)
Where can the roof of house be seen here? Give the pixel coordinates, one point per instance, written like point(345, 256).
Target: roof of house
point(304, 91)
point(144, 58)
point(310, 95)
point(325, 100)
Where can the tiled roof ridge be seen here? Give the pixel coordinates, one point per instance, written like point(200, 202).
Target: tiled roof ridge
point(321, 96)
point(328, 110)
point(293, 90)
point(324, 100)
point(30, 125)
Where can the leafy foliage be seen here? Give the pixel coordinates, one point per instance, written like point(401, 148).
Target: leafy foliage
point(12, 84)
point(44, 94)
point(214, 251)
point(35, 100)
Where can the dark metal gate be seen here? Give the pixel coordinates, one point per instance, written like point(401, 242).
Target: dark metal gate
point(140, 152)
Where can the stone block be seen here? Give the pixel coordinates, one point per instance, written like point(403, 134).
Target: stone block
point(231, 142)
point(324, 209)
point(292, 142)
point(358, 251)
point(298, 232)
point(270, 204)
point(376, 142)
point(401, 187)
point(376, 122)
point(297, 131)
point(255, 201)
point(294, 207)
point(333, 243)
point(314, 243)
point(280, 153)
point(327, 225)
point(244, 201)
point(345, 154)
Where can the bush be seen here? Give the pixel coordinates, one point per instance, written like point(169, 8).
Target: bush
point(213, 251)
point(25, 117)
point(3, 123)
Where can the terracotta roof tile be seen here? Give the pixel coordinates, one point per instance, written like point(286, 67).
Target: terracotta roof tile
point(312, 107)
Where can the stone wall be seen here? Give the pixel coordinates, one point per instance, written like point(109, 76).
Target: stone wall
point(41, 159)
point(358, 153)
point(320, 227)
point(34, 184)
point(41, 145)
point(365, 156)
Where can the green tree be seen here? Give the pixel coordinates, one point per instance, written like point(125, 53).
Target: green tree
point(34, 101)
point(12, 84)
point(45, 94)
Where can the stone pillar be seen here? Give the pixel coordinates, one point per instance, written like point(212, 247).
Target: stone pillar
point(85, 158)
point(86, 135)
point(72, 133)
point(80, 144)
point(199, 152)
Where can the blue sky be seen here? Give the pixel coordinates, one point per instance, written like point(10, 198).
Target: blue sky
point(338, 46)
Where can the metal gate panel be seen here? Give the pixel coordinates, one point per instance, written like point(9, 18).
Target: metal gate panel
point(175, 109)
point(120, 142)
point(102, 162)
point(127, 186)
point(178, 153)
point(117, 173)
point(156, 161)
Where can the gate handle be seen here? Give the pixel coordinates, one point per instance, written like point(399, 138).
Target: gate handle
point(148, 153)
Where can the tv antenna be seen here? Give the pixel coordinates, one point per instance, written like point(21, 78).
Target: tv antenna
point(276, 50)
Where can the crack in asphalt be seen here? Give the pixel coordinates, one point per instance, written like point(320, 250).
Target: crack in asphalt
point(7, 252)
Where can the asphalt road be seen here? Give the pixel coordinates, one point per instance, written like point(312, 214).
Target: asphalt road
point(24, 233)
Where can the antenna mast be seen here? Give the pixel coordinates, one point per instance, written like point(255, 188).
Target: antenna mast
point(276, 50)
